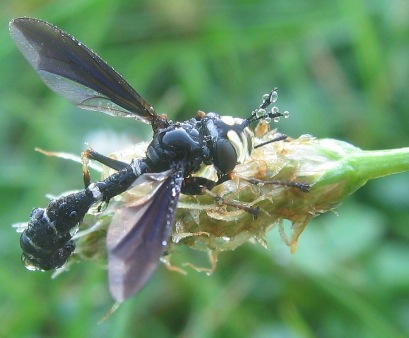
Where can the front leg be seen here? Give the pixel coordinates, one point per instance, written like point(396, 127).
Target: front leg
point(201, 186)
point(197, 185)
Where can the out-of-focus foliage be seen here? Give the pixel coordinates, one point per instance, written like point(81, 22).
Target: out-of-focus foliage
point(343, 72)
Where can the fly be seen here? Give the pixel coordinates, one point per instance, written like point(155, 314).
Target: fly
point(139, 232)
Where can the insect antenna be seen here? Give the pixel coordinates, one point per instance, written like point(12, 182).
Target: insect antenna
point(260, 113)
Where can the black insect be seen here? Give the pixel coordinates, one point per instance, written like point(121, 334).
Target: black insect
point(139, 233)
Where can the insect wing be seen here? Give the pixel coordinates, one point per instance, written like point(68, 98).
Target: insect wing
point(138, 236)
point(75, 72)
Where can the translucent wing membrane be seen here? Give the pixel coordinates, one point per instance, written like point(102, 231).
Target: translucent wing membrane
point(75, 72)
point(138, 236)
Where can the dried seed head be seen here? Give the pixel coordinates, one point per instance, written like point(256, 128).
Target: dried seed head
point(333, 169)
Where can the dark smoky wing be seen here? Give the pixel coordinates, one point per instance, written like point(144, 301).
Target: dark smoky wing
point(75, 72)
point(138, 236)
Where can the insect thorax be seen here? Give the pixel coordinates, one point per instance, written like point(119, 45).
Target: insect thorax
point(222, 141)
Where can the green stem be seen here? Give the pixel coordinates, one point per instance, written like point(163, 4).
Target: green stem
point(378, 163)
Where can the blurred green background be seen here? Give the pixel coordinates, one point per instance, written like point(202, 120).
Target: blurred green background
point(343, 72)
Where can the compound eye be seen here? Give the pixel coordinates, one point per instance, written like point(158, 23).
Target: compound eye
point(225, 156)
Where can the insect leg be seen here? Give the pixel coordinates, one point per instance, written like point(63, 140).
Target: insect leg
point(93, 155)
point(279, 137)
point(105, 160)
point(304, 187)
point(253, 211)
point(195, 185)
point(201, 185)
point(85, 171)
